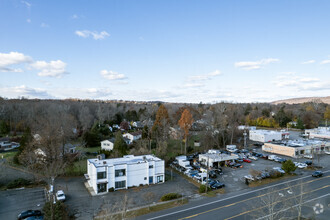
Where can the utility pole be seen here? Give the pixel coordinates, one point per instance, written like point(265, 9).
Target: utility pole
point(207, 173)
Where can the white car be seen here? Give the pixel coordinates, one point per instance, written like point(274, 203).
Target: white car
point(279, 169)
point(302, 165)
point(308, 156)
point(60, 196)
point(253, 158)
point(327, 152)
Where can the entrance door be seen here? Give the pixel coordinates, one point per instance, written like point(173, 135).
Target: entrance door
point(151, 179)
point(101, 187)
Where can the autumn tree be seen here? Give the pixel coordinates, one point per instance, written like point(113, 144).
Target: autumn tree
point(161, 125)
point(327, 115)
point(185, 123)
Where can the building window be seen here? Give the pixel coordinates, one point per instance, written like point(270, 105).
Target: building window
point(145, 178)
point(120, 184)
point(151, 166)
point(159, 179)
point(121, 172)
point(102, 187)
point(101, 175)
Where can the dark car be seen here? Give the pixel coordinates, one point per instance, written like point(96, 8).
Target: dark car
point(264, 156)
point(239, 160)
point(218, 171)
point(237, 165)
point(281, 160)
point(265, 175)
point(244, 151)
point(317, 174)
point(217, 185)
point(212, 174)
point(308, 162)
point(29, 213)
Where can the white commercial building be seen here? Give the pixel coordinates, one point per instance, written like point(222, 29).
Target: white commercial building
point(213, 158)
point(265, 135)
point(121, 173)
point(321, 132)
point(183, 162)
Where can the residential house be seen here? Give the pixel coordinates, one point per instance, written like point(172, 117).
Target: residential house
point(134, 136)
point(108, 144)
point(121, 173)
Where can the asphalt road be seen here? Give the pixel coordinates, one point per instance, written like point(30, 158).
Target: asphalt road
point(314, 193)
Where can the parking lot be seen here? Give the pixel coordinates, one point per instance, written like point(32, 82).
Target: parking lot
point(84, 206)
point(13, 202)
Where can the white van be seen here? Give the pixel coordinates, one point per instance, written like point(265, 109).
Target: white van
point(272, 157)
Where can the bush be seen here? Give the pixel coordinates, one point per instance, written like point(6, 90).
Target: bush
point(275, 174)
point(20, 182)
point(170, 196)
point(111, 189)
point(202, 189)
point(58, 209)
point(288, 166)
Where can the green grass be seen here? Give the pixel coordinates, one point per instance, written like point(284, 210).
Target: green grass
point(8, 155)
point(78, 168)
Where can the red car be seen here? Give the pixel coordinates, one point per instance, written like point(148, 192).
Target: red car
point(247, 160)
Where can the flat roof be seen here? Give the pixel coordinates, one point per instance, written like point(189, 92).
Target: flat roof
point(220, 157)
point(127, 159)
point(300, 143)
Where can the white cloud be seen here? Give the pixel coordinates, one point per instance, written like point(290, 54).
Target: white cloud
point(96, 35)
point(252, 65)
point(111, 75)
point(20, 91)
point(74, 16)
point(192, 85)
point(301, 83)
point(12, 58)
point(325, 61)
point(204, 76)
point(44, 25)
point(308, 62)
point(55, 68)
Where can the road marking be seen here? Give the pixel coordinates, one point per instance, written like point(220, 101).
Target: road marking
point(243, 213)
point(231, 197)
point(318, 208)
point(298, 205)
point(231, 204)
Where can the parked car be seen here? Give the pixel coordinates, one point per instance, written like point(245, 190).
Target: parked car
point(247, 160)
point(308, 162)
point(281, 160)
point(239, 160)
point(41, 217)
point(264, 156)
point(279, 169)
point(272, 157)
point(302, 165)
point(253, 158)
point(265, 175)
point(218, 171)
point(237, 165)
point(327, 152)
point(308, 156)
point(212, 174)
point(317, 174)
point(217, 185)
point(29, 213)
point(249, 177)
point(60, 196)
point(244, 151)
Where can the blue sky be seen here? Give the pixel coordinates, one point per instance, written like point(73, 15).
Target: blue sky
point(176, 51)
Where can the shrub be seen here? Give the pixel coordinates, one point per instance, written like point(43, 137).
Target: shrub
point(111, 189)
point(275, 174)
point(170, 196)
point(288, 166)
point(20, 182)
point(202, 189)
point(57, 210)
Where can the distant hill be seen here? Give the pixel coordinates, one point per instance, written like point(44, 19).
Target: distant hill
point(303, 100)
